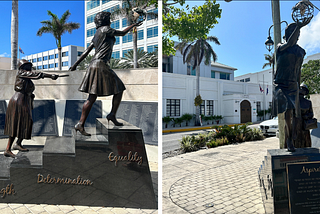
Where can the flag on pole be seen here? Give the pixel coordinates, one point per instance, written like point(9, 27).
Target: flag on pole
point(20, 50)
point(261, 89)
point(267, 90)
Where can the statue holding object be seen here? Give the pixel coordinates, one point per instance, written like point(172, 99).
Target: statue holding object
point(19, 121)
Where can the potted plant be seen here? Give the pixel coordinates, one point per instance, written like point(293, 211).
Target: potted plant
point(177, 121)
point(186, 117)
point(219, 117)
point(167, 120)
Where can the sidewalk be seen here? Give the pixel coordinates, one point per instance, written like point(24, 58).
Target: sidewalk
point(218, 180)
point(152, 153)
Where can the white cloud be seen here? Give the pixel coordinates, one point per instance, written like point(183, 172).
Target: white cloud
point(310, 36)
point(5, 54)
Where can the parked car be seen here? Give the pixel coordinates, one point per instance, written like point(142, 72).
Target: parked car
point(269, 127)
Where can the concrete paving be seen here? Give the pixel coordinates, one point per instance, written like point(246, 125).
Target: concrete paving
point(8, 208)
point(222, 180)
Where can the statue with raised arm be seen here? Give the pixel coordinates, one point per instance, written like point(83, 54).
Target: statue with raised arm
point(289, 58)
point(19, 121)
point(100, 79)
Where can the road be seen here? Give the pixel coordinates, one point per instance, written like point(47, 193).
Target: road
point(171, 141)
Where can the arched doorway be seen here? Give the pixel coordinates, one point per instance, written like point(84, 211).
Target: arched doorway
point(245, 112)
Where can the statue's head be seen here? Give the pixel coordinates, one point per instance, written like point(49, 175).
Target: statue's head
point(25, 65)
point(289, 30)
point(102, 19)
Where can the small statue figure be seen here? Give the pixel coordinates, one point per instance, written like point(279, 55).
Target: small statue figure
point(306, 122)
point(19, 121)
point(289, 58)
point(100, 79)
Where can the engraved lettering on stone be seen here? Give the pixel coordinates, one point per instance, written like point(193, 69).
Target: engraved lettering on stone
point(7, 191)
point(130, 157)
point(50, 180)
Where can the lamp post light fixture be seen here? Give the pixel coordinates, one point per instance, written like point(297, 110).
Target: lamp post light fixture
point(269, 43)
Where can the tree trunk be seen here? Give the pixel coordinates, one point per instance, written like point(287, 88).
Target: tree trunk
point(59, 58)
point(197, 121)
point(14, 35)
point(135, 48)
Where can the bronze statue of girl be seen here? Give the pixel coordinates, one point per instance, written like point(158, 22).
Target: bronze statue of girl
point(100, 79)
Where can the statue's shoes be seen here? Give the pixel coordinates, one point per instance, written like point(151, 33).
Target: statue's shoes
point(8, 154)
point(20, 148)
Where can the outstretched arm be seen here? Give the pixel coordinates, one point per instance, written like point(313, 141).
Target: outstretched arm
point(82, 57)
point(125, 31)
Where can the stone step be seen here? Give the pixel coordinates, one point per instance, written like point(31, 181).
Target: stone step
point(5, 167)
point(30, 159)
point(59, 146)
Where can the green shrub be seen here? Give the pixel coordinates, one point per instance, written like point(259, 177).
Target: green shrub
point(187, 144)
point(186, 117)
point(167, 120)
point(254, 134)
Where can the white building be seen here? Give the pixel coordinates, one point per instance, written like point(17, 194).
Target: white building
point(147, 32)
point(5, 63)
point(48, 60)
point(237, 102)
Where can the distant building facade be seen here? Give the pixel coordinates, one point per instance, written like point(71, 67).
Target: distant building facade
point(147, 32)
point(237, 102)
point(48, 60)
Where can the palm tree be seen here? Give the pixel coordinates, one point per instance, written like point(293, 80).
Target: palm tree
point(14, 35)
point(193, 54)
point(58, 27)
point(145, 59)
point(270, 59)
point(126, 12)
point(85, 63)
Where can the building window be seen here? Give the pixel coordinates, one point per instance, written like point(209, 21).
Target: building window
point(80, 53)
point(202, 108)
point(64, 53)
point(115, 24)
point(242, 80)
point(45, 66)
point(127, 38)
point(51, 56)
point(56, 65)
point(39, 67)
point(247, 79)
point(213, 74)
point(258, 106)
point(209, 107)
point(152, 32)
point(64, 63)
point(152, 48)
point(173, 107)
point(29, 60)
point(125, 52)
point(91, 32)
point(45, 58)
point(224, 76)
point(56, 55)
point(34, 60)
point(117, 40)
point(151, 14)
point(51, 65)
point(111, 9)
point(140, 34)
point(105, 1)
point(124, 22)
point(39, 59)
point(92, 4)
point(90, 19)
point(115, 55)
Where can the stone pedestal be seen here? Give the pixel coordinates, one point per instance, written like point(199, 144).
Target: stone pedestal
point(280, 192)
point(109, 168)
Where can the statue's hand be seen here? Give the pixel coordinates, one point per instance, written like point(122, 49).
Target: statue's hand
point(73, 68)
point(305, 22)
point(139, 23)
point(54, 76)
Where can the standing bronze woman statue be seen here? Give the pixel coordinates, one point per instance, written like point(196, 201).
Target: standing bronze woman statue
point(289, 58)
point(100, 79)
point(19, 112)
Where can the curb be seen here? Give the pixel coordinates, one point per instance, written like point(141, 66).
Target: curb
point(195, 128)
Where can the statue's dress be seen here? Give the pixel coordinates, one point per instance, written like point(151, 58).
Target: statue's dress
point(19, 112)
point(287, 80)
point(99, 78)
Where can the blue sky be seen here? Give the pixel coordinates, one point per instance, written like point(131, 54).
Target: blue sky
point(243, 29)
point(31, 13)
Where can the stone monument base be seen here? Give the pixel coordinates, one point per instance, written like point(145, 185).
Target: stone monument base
point(109, 168)
point(290, 181)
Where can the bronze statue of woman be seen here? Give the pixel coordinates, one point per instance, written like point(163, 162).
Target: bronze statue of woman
point(19, 112)
point(289, 58)
point(100, 79)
